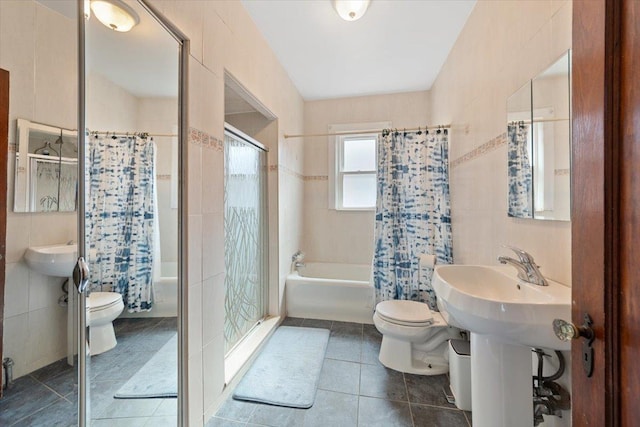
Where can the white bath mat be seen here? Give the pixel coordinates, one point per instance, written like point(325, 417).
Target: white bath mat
point(287, 371)
point(157, 378)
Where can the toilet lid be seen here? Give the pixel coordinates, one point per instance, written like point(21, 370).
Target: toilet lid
point(404, 312)
point(101, 300)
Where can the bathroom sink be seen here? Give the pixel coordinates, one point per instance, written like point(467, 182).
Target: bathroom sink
point(506, 317)
point(53, 260)
point(493, 301)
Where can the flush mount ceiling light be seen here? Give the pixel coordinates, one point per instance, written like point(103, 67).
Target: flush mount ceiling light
point(351, 10)
point(115, 14)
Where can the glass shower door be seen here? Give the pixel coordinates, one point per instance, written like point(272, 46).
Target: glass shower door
point(245, 230)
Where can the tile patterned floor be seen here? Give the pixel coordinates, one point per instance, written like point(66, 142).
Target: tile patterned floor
point(355, 390)
point(48, 397)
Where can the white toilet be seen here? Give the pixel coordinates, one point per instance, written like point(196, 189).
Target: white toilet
point(414, 338)
point(102, 310)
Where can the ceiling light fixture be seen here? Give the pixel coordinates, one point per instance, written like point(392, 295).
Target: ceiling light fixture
point(351, 10)
point(115, 14)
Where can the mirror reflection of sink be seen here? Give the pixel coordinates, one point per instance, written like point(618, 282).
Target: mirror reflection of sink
point(506, 317)
point(492, 300)
point(52, 260)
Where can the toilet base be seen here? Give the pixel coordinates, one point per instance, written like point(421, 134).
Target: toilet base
point(401, 356)
point(101, 338)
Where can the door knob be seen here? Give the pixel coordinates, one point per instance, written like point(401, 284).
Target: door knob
point(567, 331)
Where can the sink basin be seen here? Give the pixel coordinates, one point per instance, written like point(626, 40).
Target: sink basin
point(53, 260)
point(506, 317)
point(493, 301)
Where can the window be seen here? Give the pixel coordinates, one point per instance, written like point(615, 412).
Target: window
point(352, 165)
point(356, 171)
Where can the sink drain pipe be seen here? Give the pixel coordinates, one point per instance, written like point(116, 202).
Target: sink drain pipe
point(549, 397)
point(7, 369)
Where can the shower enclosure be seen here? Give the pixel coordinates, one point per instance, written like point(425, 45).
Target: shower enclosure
point(245, 232)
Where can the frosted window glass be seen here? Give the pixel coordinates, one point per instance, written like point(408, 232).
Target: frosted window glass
point(359, 191)
point(359, 155)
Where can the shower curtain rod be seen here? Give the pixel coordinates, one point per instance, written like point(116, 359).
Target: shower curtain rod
point(527, 122)
point(140, 134)
point(356, 132)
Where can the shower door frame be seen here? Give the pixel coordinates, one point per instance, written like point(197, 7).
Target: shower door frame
point(238, 134)
point(183, 134)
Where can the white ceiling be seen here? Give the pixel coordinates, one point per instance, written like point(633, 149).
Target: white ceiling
point(397, 46)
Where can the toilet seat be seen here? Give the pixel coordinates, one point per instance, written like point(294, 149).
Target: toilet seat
point(406, 313)
point(99, 301)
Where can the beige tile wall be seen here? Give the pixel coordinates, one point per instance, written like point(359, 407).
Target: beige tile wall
point(160, 116)
point(224, 38)
point(341, 236)
point(503, 44)
point(43, 88)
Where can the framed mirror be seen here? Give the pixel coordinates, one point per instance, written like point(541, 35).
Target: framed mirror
point(46, 177)
point(539, 143)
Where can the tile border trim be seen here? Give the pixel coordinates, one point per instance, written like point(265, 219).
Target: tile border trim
point(316, 178)
point(480, 151)
point(204, 139)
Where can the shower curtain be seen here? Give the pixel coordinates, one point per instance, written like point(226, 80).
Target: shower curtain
point(520, 178)
point(121, 214)
point(413, 216)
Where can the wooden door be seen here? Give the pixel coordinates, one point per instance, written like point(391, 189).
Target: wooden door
point(629, 292)
point(4, 152)
point(606, 209)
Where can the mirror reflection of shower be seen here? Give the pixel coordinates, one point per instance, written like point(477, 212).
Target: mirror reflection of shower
point(132, 218)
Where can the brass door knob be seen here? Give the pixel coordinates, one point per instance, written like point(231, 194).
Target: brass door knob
point(567, 331)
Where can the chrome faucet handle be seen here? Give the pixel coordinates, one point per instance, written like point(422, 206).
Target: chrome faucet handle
point(524, 256)
point(298, 256)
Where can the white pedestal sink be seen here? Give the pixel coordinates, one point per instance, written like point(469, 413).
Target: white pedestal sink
point(58, 261)
point(506, 318)
point(53, 260)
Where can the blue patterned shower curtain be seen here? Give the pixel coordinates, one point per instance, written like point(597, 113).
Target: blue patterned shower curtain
point(121, 214)
point(413, 215)
point(520, 177)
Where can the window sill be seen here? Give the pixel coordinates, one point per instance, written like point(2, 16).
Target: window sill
point(355, 209)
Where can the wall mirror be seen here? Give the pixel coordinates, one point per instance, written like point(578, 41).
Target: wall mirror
point(133, 114)
point(46, 178)
point(539, 145)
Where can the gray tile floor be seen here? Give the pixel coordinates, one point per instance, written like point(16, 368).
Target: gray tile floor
point(48, 397)
point(354, 390)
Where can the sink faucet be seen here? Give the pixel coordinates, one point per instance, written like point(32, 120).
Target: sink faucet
point(526, 266)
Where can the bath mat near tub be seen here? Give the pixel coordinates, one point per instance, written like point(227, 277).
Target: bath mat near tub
point(157, 378)
point(287, 371)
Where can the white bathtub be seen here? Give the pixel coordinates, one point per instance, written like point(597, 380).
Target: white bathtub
point(331, 291)
point(165, 290)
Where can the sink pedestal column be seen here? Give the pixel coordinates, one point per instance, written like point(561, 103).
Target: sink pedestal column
point(72, 321)
point(501, 383)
